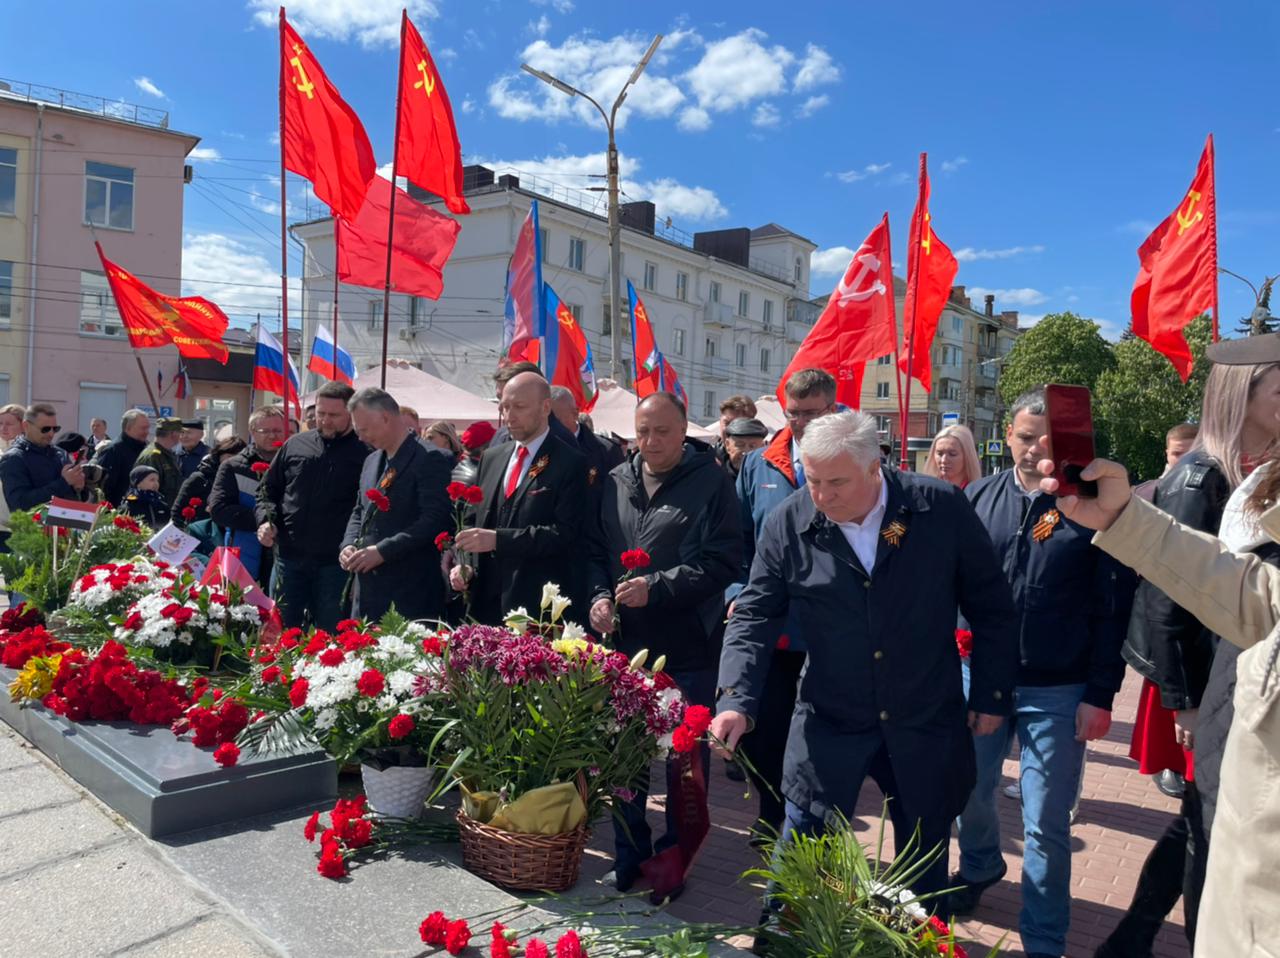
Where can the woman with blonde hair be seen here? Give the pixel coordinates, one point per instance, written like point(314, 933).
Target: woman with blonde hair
point(442, 434)
point(953, 456)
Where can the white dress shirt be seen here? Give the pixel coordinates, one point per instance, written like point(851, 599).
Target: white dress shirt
point(864, 536)
point(533, 445)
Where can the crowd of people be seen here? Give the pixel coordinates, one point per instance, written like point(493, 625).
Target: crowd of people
point(846, 620)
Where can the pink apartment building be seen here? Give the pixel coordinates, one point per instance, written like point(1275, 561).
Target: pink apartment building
point(73, 168)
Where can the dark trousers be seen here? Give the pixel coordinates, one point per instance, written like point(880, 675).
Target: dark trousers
point(766, 744)
point(634, 843)
point(1175, 867)
point(309, 592)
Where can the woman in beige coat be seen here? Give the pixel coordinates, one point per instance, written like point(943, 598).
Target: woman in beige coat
point(1238, 597)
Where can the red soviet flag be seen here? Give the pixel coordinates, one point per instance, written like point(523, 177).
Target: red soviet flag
point(424, 240)
point(858, 324)
point(1178, 272)
point(930, 271)
point(321, 136)
point(427, 149)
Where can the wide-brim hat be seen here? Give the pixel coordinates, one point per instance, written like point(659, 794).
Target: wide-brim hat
point(1249, 351)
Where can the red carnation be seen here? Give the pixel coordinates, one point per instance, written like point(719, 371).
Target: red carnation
point(499, 946)
point(260, 467)
point(347, 625)
point(536, 948)
point(298, 693)
point(317, 643)
point(227, 754)
point(443, 541)
point(663, 681)
point(271, 675)
point(683, 739)
point(378, 498)
point(432, 929)
point(371, 683)
point(126, 522)
point(289, 638)
point(964, 643)
point(632, 560)
point(400, 726)
point(474, 495)
point(456, 490)
point(309, 829)
point(456, 936)
point(432, 645)
point(332, 864)
point(195, 502)
point(569, 946)
point(188, 513)
point(698, 718)
point(332, 657)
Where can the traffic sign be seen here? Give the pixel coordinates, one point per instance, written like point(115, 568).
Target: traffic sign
point(950, 419)
point(995, 447)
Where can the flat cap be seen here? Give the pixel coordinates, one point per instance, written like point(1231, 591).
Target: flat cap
point(193, 424)
point(1249, 351)
point(169, 424)
point(746, 429)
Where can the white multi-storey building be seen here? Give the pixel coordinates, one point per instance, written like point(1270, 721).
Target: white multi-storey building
point(728, 307)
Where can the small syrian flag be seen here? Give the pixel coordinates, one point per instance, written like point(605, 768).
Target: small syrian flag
point(70, 513)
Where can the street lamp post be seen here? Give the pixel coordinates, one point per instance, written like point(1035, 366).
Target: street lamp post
point(615, 221)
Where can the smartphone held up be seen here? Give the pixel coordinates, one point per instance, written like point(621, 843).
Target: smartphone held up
point(1070, 417)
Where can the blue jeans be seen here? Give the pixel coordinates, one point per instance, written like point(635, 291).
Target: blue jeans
point(1044, 720)
point(699, 688)
point(309, 591)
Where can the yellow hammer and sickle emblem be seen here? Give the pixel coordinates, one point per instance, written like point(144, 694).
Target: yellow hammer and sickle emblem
point(927, 239)
point(304, 85)
point(1186, 220)
point(428, 82)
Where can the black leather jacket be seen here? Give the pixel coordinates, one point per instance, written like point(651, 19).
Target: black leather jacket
point(1166, 643)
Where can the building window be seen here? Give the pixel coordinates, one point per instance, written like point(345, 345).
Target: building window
point(577, 253)
point(375, 314)
point(606, 324)
point(8, 181)
point(715, 292)
point(708, 404)
point(768, 314)
point(799, 268)
point(882, 423)
point(544, 240)
point(108, 196)
point(957, 324)
point(741, 349)
point(576, 312)
point(744, 303)
point(6, 292)
point(677, 341)
point(98, 315)
point(650, 276)
point(709, 349)
point(882, 390)
point(764, 360)
point(682, 286)
point(884, 360)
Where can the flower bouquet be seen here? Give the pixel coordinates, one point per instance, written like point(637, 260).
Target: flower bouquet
point(551, 730)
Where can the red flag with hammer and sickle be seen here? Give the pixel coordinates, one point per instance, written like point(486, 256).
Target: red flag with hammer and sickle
point(152, 319)
point(930, 270)
point(1178, 272)
point(858, 324)
point(322, 138)
point(427, 149)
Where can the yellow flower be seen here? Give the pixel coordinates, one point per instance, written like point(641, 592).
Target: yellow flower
point(569, 648)
point(35, 680)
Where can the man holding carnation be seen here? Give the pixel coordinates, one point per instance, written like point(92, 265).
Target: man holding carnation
point(669, 541)
point(234, 492)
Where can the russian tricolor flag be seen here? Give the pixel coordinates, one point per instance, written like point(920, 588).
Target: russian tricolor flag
point(268, 369)
point(328, 361)
point(525, 316)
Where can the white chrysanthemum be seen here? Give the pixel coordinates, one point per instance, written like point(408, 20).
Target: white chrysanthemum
point(400, 682)
point(573, 632)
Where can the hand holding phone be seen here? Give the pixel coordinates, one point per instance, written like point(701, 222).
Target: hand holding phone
point(1071, 448)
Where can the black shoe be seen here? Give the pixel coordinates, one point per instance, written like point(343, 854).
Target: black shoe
point(1170, 783)
point(624, 879)
point(964, 900)
point(733, 771)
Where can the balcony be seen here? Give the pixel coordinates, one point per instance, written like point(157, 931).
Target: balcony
point(719, 315)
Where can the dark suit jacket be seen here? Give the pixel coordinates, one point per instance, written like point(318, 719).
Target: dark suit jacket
point(405, 534)
point(882, 670)
point(539, 529)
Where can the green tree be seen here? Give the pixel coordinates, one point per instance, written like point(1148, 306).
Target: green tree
point(1141, 397)
point(1061, 348)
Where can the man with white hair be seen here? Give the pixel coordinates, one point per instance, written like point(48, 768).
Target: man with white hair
point(874, 563)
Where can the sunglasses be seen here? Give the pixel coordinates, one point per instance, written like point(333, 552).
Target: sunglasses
point(48, 429)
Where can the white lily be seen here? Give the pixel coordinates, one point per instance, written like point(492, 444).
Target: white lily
point(517, 617)
point(638, 660)
point(550, 592)
point(558, 605)
point(573, 632)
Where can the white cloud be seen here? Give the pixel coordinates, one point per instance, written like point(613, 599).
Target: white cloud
point(970, 255)
point(471, 39)
point(1137, 227)
point(812, 106)
point(830, 262)
point(950, 166)
point(738, 69)
point(448, 54)
point(559, 6)
point(1026, 320)
point(373, 23)
point(468, 105)
point(577, 172)
point(1008, 298)
point(541, 27)
point(274, 138)
point(150, 89)
point(232, 135)
point(871, 169)
point(694, 119)
point(237, 276)
point(204, 153)
point(766, 115)
point(817, 68)
point(598, 67)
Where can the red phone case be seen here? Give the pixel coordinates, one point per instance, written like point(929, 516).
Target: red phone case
point(1070, 437)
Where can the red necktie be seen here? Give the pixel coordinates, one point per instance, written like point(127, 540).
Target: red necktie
point(513, 480)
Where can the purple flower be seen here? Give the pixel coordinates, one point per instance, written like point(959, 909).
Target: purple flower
point(626, 794)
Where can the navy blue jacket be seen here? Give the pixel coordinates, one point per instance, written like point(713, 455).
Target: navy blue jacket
point(32, 475)
point(1073, 599)
point(883, 670)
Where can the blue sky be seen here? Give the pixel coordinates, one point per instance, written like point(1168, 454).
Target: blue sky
point(1057, 137)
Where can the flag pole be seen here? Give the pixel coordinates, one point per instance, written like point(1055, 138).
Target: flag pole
point(391, 216)
point(335, 286)
point(284, 241)
point(1213, 178)
point(913, 288)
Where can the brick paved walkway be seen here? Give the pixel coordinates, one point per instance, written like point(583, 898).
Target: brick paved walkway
point(1121, 814)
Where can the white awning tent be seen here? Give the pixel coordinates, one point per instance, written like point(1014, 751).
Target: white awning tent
point(430, 396)
point(615, 412)
point(769, 411)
